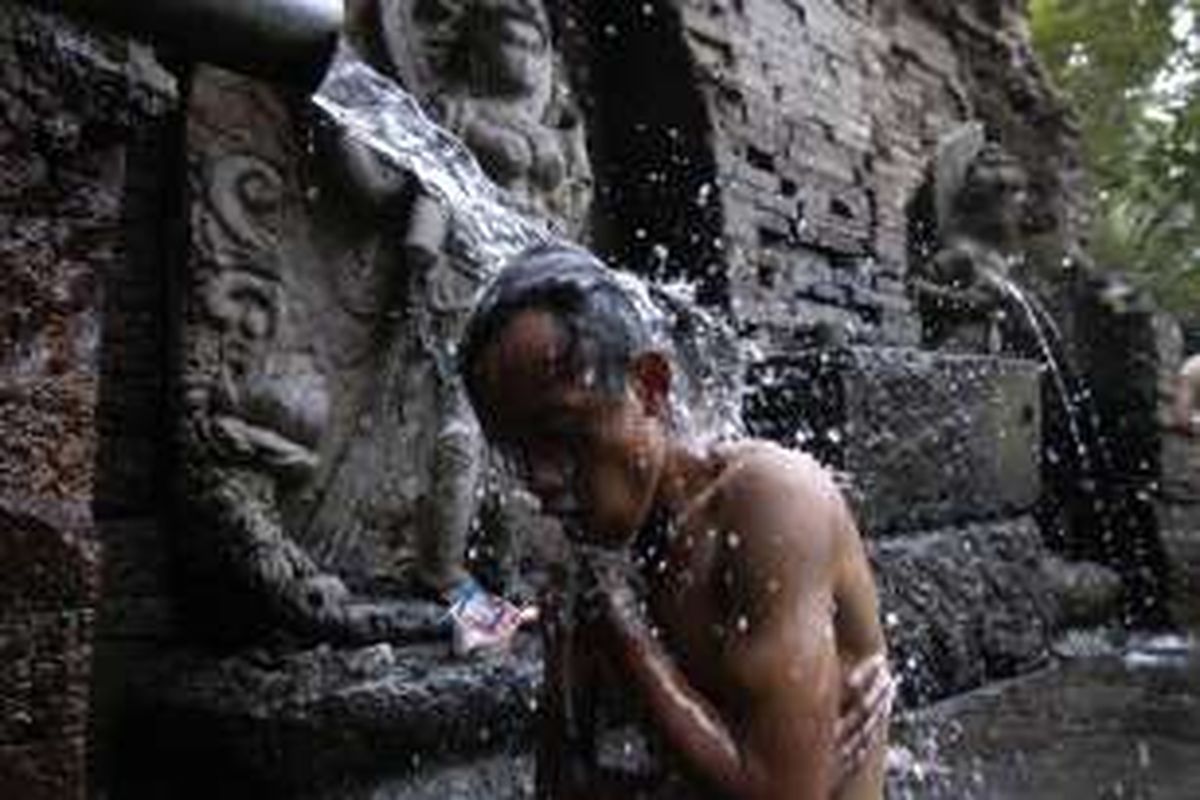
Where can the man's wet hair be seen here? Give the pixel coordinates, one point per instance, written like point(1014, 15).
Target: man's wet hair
point(600, 325)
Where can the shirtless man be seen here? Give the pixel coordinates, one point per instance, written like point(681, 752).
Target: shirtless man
point(760, 618)
point(1186, 409)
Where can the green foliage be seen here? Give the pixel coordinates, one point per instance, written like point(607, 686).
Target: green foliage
point(1131, 69)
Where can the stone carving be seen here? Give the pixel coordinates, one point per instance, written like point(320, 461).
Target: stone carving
point(255, 410)
point(979, 198)
point(325, 436)
point(488, 70)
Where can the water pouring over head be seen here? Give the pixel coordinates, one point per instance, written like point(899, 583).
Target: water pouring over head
point(563, 370)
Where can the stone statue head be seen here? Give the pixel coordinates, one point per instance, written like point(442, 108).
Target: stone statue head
point(510, 43)
point(484, 48)
point(980, 189)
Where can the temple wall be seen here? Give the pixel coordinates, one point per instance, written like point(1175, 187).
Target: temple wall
point(80, 378)
point(825, 116)
point(822, 120)
point(776, 144)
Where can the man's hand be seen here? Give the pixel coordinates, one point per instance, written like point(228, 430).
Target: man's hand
point(867, 697)
point(607, 592)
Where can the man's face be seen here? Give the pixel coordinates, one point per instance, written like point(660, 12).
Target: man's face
point(591, 458)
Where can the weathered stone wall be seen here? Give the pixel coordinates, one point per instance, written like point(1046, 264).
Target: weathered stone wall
point(812, 126)
point(965, 605)
point(73, 111)
point(47, 613)
point(791, 137)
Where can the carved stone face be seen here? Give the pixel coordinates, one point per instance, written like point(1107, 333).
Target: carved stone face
point(993, 199)
point(509, 42)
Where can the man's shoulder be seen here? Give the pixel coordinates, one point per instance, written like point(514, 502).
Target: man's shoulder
point(778, 487)
point(757, 465)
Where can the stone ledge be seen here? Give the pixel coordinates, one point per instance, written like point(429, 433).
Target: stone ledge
point(965, 605)
point(925, 439)
point(290, 725)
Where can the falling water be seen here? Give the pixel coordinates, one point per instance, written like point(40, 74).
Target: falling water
point(1047, 334)
point(488, 228)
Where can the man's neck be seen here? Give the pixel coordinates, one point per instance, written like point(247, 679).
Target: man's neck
point(684, 482)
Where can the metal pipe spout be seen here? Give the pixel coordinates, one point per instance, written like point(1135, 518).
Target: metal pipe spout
point(285, 41)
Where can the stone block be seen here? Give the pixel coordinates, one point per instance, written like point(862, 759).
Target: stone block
point(1089, 594)
point(381, 721)
point(923, 439)
point(1182, 547)
point(965, 605)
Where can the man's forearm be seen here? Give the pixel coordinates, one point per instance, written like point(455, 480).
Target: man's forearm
point(689, 724)
point(566, 752)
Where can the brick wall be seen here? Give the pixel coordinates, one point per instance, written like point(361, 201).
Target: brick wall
point(817, 121)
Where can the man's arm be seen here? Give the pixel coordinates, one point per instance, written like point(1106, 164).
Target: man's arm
point(566, 747)
point(690, 725)
point(780, 659)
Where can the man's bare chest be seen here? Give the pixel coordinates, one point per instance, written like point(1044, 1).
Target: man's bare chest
point(685, 608)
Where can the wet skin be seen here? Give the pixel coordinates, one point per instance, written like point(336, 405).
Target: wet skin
point(761, 595)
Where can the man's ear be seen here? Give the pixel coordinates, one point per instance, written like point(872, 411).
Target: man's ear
point(650, 374)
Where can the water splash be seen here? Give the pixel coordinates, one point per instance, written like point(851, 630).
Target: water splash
point(489, 226)
point(1048, 337)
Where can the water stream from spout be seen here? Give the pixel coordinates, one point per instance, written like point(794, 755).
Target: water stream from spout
point(1049, 339)
point(370, 107)
point(488, 227)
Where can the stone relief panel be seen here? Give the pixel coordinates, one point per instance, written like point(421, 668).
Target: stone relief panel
point(329, 458)
point(489, 71)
